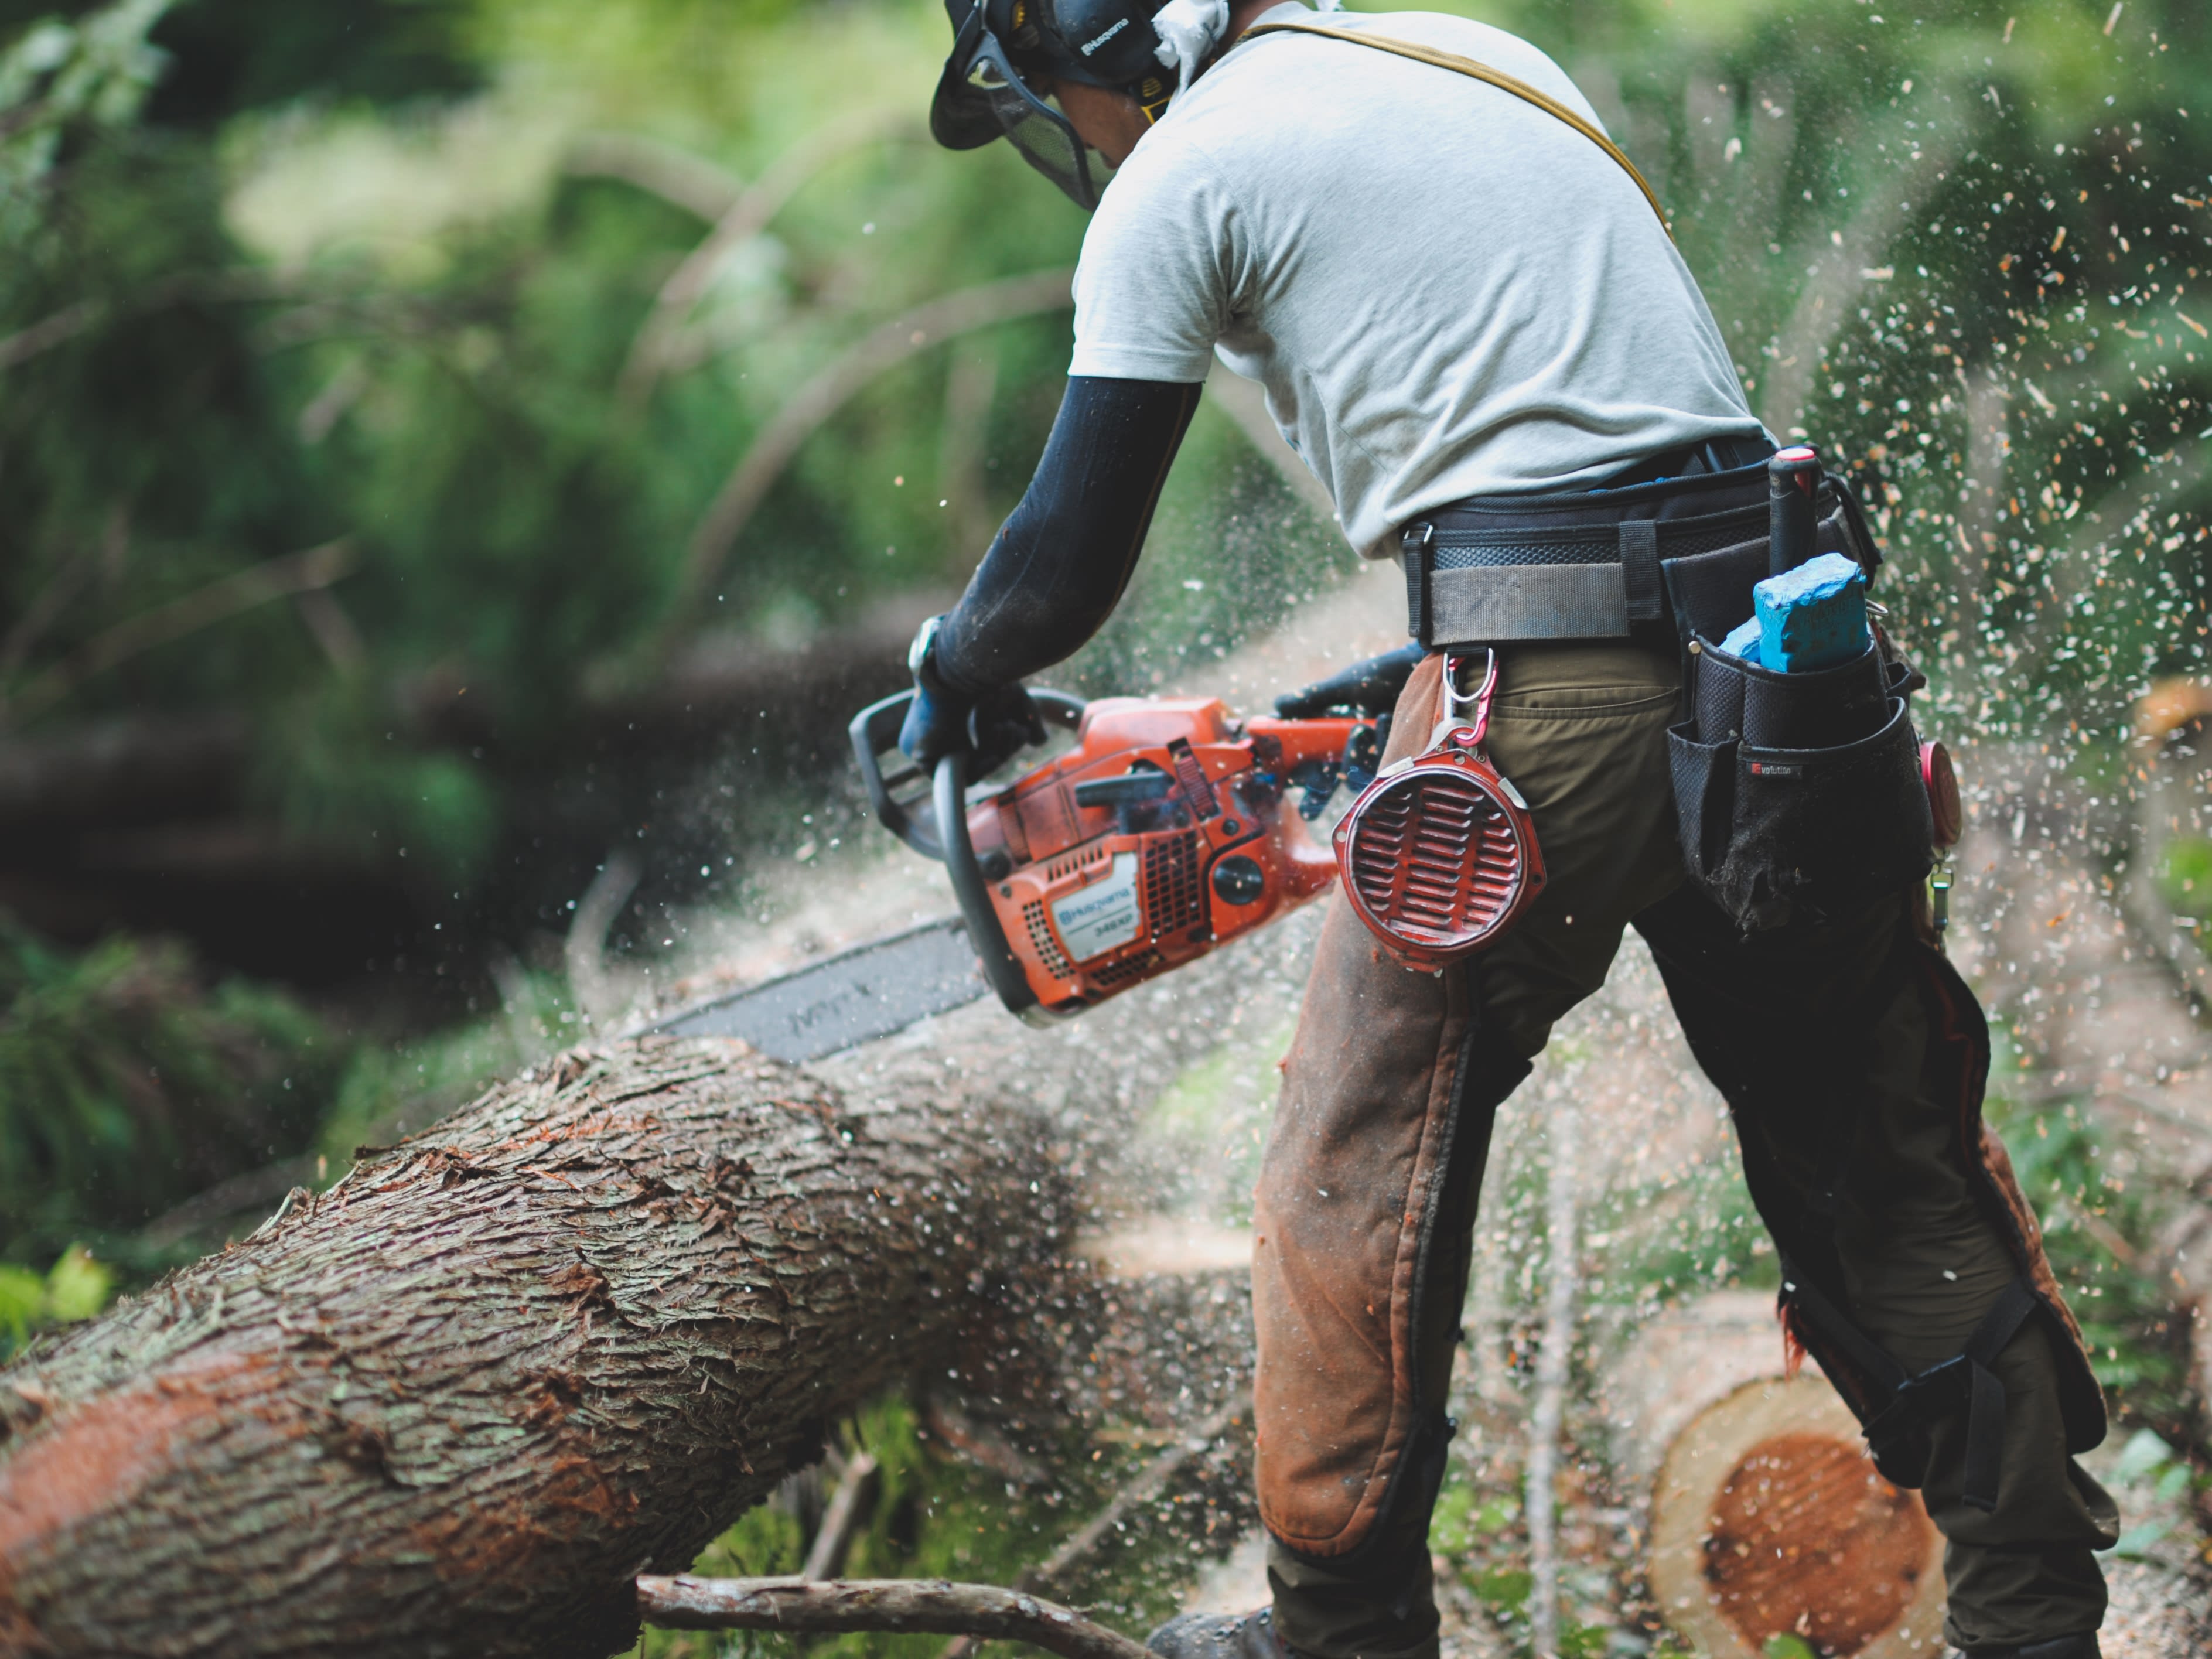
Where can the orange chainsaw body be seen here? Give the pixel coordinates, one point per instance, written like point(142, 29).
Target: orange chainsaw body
point(1163, 832)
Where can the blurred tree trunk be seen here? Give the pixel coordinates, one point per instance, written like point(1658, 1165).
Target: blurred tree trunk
point(457, 1403)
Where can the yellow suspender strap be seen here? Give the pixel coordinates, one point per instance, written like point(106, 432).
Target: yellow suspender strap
point(1498, 78)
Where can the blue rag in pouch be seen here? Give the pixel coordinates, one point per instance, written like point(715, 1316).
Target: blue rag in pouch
point(1743, 641)
point(1812, 617)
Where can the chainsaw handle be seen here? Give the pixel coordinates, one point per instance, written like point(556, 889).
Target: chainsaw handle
point(874, 732)
point(1372, 686)
point(1001, 968)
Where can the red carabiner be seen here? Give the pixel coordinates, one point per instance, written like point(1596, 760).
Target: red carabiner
point(1454, 700)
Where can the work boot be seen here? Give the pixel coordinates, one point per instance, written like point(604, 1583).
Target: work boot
point(2083, 1646)
point(1234, 1635)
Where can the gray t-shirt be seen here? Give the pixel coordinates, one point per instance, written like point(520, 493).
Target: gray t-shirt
point(1445, 291)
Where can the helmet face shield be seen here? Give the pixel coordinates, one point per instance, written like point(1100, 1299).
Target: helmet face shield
point(1048, 141)
point(982, 96)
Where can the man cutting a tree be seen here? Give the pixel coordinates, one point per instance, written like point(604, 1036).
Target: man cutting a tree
point(1471, 322)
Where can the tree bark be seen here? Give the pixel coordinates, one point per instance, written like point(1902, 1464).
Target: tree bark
point(458, 1403)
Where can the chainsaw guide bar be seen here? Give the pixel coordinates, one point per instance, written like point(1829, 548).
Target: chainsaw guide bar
point(854, 996)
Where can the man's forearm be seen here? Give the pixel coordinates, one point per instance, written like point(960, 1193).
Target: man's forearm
point(1058, 567)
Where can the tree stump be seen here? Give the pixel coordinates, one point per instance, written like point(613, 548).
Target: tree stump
point(1767, 1516)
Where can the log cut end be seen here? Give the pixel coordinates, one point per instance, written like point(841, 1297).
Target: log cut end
point(1768, 1519)
point(1806, 1537)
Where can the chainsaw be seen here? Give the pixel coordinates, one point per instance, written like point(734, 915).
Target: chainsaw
point(1164, 829)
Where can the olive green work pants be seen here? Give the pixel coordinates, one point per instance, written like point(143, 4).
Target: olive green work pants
point(1389, 1093)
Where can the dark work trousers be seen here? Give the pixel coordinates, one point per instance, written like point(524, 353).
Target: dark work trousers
point(1864, 1151)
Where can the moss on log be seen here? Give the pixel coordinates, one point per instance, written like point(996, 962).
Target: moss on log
point(458, 1403)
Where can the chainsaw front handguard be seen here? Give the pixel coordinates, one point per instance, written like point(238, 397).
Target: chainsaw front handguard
point(936, 826)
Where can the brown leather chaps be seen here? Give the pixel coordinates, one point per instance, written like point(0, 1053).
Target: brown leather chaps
point(1853, 1059)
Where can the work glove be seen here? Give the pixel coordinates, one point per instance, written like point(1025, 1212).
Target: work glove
point(992, 728)
point(1000, 726)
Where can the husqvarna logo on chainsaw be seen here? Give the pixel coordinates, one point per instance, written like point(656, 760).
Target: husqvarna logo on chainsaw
point(1090, 46)
point(1100, 915)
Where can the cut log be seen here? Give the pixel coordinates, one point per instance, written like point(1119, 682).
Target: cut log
point(457, 1404)
point(1767, 1517)
point(1795, 1533)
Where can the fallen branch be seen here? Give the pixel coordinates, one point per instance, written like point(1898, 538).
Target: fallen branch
point(583, 953)
point(902, 1605)
point(55, 329)
point(1562, 1291)
point(247, 285)
point(95, 773)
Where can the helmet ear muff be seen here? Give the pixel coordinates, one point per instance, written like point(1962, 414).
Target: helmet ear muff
point(1153, 95)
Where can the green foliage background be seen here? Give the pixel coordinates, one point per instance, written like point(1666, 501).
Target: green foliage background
point(279, 275)
point(339, 272)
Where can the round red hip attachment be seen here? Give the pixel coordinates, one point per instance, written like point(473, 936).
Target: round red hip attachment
point(1439, 858)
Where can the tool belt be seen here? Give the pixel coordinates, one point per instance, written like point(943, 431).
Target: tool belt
point(1797, 794)
point(1582, 564)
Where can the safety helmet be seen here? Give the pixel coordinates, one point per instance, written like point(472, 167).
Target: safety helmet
point(1000, 47)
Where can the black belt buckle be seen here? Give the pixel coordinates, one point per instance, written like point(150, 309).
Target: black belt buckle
point(1414, 542)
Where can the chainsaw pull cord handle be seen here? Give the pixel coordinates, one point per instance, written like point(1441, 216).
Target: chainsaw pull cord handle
point(985, 936)
point(1450, 701)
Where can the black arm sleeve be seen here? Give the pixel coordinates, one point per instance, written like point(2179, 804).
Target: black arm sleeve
point(1057, 568)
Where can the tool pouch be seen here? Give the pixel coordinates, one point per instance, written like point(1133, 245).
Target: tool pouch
point(1798, 795)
